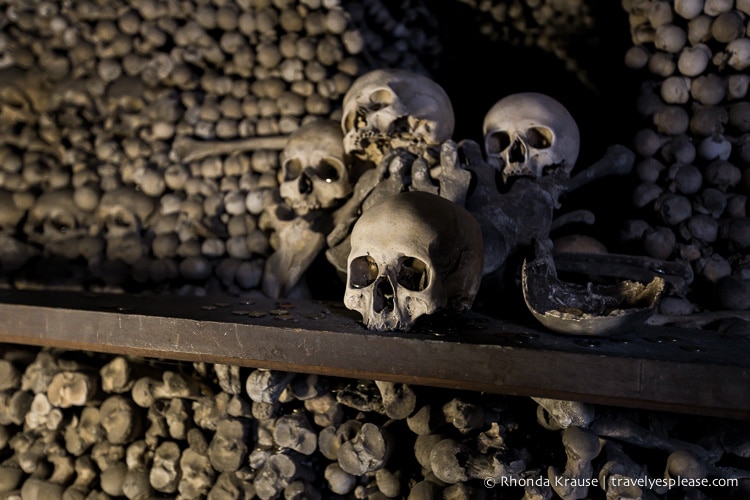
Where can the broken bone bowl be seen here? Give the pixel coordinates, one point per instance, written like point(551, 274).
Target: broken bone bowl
point(587, 309)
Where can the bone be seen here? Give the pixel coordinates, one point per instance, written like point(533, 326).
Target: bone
point(581, 447)
point(227, 451)
point(146, 390)
point(164, 475)
point(295, 432)
point(278, 471)
point(187, 150)
point(367, 451)
point(67, 389)
point(120, 419)
point(340, 482)
point(197, 475)
point(266, 386)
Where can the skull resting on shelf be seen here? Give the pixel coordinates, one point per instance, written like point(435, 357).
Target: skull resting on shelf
point(314, 173)
point(389, 109)
point(530, 134)
point(412, 254)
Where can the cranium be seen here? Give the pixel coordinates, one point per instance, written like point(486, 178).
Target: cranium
point(530, 134)
point(55, 220)
point(387, 109)
point(123, 211)
point(121, 215)
point(412, 254)
point(314, 173)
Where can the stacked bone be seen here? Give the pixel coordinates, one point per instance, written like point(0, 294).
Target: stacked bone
point(109, 426)
point(694, 153)
point(123, 131)
point(555, 27)
point(104, 426)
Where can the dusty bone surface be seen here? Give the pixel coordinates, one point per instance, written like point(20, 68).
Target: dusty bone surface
point(370, 448)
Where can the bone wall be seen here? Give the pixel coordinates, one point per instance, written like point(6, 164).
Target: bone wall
point(99, 103)
point(76, 425)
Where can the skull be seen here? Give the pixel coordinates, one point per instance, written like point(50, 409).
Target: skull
point(387, 109)
point(123, 211)
point(530, 134)
point(314, 174)
point(54, 221)
point(121, 215)
point(412, 254)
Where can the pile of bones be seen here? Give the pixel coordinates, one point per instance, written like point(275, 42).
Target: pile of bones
point(92, 426)
point(226, 146)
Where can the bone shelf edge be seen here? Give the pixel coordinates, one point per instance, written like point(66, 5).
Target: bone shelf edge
point(680, 370)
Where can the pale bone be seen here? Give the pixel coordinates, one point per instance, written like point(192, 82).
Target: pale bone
point(530, 134)
point(266, 385)
point(54, 220)
point(186, 150)
point(295, 432)
point(177, 417)
point(164, 475)
point(399, 400)
point(368, 451)
point(389, 109)
point(124, 211)
point(227, 450)
point(581, 447)
point(120, 419)
point(339, 482)
point(84, 431)
point(278, 471)
point(10, 376)
point(617, 469)
point(229, 378)
point(314, 169)
point(620, 428)
point(465, 416)
point(173, 385)
point(116, 376)
point(197, 475)
point(68, 389)
point(394, 275)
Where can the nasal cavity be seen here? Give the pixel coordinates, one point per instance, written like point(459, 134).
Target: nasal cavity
point(517, 153)
point(383, 295)
point(305, 184)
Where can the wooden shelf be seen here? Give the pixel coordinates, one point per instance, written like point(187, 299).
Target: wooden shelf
point(659, 368)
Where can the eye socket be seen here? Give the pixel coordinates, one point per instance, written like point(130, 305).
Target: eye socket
point(61, 225)
point(380, 99)
point(412, 274)
point(292, 169)
point(363, 271)
point(348, 121)
point(327, 171)
point(496, 142)
point(539, 137)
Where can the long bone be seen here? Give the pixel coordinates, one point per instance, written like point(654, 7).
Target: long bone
point(186, 149)
point(617, 160)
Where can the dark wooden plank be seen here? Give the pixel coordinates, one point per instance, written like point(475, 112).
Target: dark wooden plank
point(657, 368)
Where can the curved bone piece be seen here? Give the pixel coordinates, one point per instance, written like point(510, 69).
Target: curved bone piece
point(589, 309)
point(412, 254)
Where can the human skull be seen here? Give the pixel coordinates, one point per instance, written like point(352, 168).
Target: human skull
point(55, 220)
point(314, 173)
point(388, 109)
point(412, 254)
point(530, 134)
point(123, 211)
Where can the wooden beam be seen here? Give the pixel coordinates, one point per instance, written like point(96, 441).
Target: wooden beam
point(682, 370)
